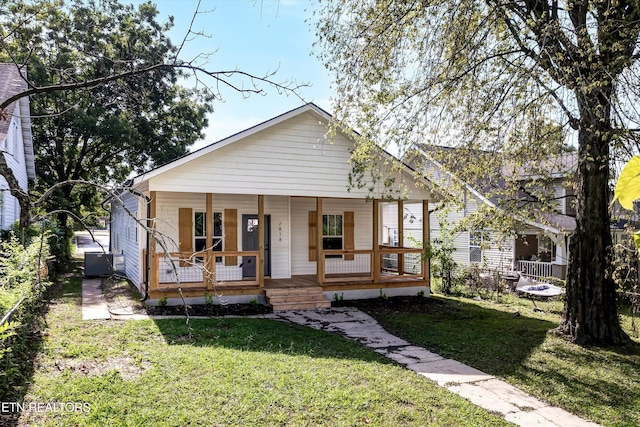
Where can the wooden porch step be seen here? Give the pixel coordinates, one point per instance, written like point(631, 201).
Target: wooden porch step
point(301, 305)
point(297, 298)
point(307, 290)
point(302, 298)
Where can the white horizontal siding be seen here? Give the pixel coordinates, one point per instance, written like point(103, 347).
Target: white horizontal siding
point(498, 253)
point(363, 231)
point(412, 222)
point(127, 237)
point(13, 147)
point(291, 158)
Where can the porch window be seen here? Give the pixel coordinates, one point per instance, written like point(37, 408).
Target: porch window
point(332, 236)
point(546, 249)
point(200, 232)
point(475, 246)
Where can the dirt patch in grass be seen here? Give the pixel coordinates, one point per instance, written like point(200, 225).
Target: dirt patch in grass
point(125, 365)
point(122, 297)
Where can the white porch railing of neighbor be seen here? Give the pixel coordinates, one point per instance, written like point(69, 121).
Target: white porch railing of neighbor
point(535, 269)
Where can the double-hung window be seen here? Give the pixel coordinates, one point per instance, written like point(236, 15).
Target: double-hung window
point(200, 225)
point(475, 246)
point(332, 235)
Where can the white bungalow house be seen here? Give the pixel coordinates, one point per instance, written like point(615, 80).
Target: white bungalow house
point(539, 249)
point(15, 142)
point(265, 214)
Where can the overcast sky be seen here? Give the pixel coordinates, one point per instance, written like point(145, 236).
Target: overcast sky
point(255, 36)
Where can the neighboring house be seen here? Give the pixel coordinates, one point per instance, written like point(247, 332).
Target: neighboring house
point(15, 142)
point(265, 214)
point(539, 249)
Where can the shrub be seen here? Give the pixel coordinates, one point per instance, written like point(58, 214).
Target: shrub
point(23, 281)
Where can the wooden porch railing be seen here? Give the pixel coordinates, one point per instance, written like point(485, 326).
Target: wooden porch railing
point(200, 269)
point(401, 262)
point(358, 265)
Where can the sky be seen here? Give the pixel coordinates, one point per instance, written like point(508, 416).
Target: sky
point(255, 36)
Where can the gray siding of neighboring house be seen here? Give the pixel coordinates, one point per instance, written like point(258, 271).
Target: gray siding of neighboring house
point(497, 251)
point(13, 147)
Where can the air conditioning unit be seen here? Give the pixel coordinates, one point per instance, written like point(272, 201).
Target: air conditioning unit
point(118, 264)
point(98, 264)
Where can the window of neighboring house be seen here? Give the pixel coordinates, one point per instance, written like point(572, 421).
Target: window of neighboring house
point(332, 236)
point(475, 246)
point(16, 142)
point(200, 232)
point(546, 249)
point(393, 237)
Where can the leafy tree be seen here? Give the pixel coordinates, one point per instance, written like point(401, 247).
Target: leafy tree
point(496, 77)
point(105, 95)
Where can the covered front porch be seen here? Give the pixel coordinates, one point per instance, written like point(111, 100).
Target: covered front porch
point(541, 256)
point(262, 243)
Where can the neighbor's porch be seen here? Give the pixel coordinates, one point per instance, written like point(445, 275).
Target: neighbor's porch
point(540, 257)
point(208, 271)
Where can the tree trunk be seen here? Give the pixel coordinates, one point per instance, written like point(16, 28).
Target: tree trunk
point(590, 312)
point(64, 247)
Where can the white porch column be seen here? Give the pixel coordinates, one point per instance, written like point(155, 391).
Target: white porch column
point(561, 253)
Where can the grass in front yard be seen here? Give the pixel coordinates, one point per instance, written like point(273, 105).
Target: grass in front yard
point(508, 339)
point(233, 372)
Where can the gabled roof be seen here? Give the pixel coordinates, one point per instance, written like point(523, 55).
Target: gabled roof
point(309, 107)
point(562, 167)
point(12, 82)
point(230, 140)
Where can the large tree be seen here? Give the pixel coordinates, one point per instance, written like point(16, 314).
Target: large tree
point(104, 81)
point(103, 133)
point(489, 76)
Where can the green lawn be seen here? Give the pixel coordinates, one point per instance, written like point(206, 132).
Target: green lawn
point(600, 384)
point(239, 372)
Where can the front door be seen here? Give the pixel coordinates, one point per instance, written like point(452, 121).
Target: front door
point(250, 243)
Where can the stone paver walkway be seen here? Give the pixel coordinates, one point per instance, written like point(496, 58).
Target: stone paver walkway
point(478, 387)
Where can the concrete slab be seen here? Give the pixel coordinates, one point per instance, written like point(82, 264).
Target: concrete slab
point(418, 354)
point(529, 419)
point(93, 306)
point(396, 357)
point(484, 398)
point(498, 396)
point(508, 393)
point(563, 418)
point(448, 371)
